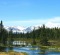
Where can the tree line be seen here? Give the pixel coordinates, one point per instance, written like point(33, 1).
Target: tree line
point(42, 33)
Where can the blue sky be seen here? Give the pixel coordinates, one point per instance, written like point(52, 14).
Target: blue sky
point(29, 12)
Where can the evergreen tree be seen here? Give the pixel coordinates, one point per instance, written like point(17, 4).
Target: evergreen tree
point(33, 37)
point(3, 34)
point(10, 37)
point(1, 31)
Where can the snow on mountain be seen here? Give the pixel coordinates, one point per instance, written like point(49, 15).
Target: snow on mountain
point(31, 28)
point(20, 29)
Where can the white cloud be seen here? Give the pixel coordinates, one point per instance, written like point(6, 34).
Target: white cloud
point(56, 19)
point(51, 22)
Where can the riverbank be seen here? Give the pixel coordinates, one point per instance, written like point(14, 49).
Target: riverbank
point(13, 53)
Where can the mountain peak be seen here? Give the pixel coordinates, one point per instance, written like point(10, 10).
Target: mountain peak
point(20, 29)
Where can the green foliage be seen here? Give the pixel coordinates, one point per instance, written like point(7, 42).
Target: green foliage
point(44, 41)
point(3, 34)
point(43, 34)
point(10, 37)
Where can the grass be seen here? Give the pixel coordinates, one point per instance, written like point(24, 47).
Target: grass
point(55, 44)
point(24, 53)
point(13, 53)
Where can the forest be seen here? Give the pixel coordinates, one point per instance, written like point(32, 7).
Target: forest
point(43, 36)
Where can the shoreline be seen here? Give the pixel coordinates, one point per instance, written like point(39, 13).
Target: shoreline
point(13, 53)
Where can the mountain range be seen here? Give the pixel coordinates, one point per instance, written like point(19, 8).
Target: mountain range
point(20, 29)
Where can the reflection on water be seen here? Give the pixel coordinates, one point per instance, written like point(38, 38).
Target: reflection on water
point(43, 50)
point(29, 50)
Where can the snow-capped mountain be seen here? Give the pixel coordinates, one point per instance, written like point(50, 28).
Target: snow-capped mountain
point(31, 28)
point(20, 29)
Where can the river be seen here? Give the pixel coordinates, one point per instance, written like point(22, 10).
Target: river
point(34, 51)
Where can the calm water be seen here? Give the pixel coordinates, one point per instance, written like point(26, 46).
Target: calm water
point(27, 50)
point(36, 51)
